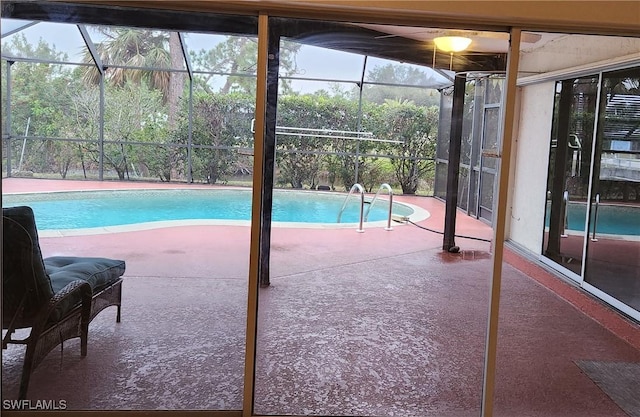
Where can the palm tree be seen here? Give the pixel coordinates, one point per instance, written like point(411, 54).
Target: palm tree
point(238, 55)
point(139, 55)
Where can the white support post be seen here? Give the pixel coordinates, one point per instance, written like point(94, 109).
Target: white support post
point(508, 121)
point(256, 221)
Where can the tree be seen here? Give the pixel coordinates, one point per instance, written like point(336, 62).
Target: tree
point(238, 55)
point(220, 121)
point(146, 51)
point(128, 111)
point(297, 164)
point(176, 79)
point(158, 158)
point(417, 128)
point(37, 107)
point(398, 75)
point(36, 88)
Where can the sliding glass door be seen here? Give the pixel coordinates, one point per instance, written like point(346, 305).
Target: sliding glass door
point(569, 173)
point(592, 228)
point(613, 245)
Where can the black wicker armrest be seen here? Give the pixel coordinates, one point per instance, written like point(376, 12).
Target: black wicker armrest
point(60, 319)
point(72, 289)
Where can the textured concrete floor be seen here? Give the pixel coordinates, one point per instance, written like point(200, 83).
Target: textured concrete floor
point(378, 323)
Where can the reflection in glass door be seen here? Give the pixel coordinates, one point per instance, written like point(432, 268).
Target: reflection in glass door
point(568, 179)
point(489, 146)
point(613, 246)
point(478, 165)
point(488, 163)
point(569, 173)
point(592, 229)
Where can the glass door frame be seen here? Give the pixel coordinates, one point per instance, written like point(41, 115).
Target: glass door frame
point(257, 207)
point(258, 218)
point(596, 153)
point(506, 121)
point(482, 212)
point(580, 278)
point(574, 276)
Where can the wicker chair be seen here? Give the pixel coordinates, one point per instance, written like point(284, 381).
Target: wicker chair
point(56, 297)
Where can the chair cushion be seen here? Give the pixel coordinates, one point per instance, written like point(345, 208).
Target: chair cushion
point(19, 238)
point(98, 272)
point(24, 270)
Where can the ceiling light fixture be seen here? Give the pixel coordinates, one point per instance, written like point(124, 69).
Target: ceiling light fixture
point(452, 43)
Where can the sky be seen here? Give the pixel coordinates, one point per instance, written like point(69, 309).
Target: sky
point(312, 62)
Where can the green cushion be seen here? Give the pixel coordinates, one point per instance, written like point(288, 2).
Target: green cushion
point(22, 265)
point(24, 270)
point(98, 272)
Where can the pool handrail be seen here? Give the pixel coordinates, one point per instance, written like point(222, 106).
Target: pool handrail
point(595, 217)
point(565, 214)
point(390, 193)
point(360, 189)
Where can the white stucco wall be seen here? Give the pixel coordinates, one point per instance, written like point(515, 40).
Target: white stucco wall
point(529, 165)
point(530, 158)
point(567, 51)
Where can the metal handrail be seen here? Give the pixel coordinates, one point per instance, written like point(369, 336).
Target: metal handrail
point(326, 133)
point(595, 218)
point(390, 193)
point(360, 189)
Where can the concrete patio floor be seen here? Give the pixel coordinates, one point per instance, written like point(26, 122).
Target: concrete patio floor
point(376, 323)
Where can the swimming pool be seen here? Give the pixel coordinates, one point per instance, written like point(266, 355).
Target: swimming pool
point(612, 219)
point(100, 209)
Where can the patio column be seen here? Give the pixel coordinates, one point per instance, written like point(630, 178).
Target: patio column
point(508, 117)
point(558, 186)
point(257, 207)
point(187, 61)
point(453, 168)
point(269, 153)
point(190, 139)
point(359, 123)
point(101, 131)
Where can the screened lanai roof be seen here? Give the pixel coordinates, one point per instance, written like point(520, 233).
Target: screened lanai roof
point(409, 46)
point(74, 43)
point(10, 26)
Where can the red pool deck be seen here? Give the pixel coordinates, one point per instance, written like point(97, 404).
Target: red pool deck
point(378, 323)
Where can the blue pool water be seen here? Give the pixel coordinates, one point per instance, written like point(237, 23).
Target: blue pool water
point(612, 219)
point(73, 210)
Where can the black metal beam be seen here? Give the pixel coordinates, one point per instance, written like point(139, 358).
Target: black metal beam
point(351, 38)
point(18, 29)
point(6, 127)
point(559, 166)
point(453, 168)
point(133, 17)
point(332, 35)
point(185, 55)
point(95, 56)
point(269, 155)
